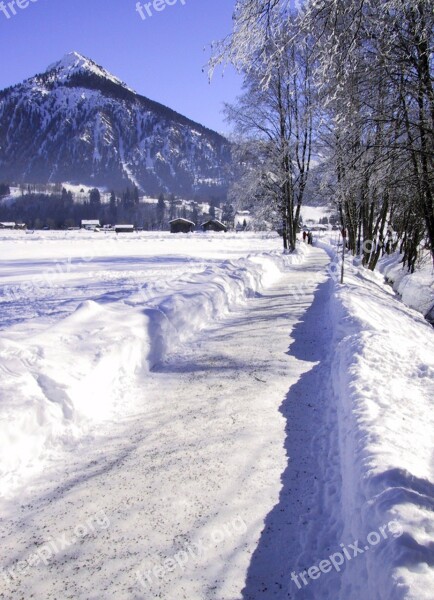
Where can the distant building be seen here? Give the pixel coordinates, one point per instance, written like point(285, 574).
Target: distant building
point(90, 225)
point(181, 226)
point(123, 228)
point(7, 225)
point(214, 225)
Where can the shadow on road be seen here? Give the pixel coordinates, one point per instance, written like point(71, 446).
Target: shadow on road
point(298, 515)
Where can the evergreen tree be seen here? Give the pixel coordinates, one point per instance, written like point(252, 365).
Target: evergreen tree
point(94, 198)
point(126, 199)
point(161, 210)
point(172, 214)
point(136, 196)
point(4, 189)
point(195, 215)
point(113, 210)
point(228, 214)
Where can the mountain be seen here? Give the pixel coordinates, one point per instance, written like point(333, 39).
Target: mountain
point(78, 123)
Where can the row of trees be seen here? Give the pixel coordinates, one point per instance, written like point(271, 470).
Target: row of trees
point(61, 210)
point(4, 189)
point(347, 86)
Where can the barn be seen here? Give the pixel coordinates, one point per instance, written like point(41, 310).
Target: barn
point(181, 226)
point(124, 228)
point(214, 225)
point(90, 225)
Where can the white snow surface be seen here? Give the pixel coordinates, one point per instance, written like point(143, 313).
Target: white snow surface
point(82, 313)
point(74, 62)
point(416, 289)
point(315, 213)
point(383, 380)
point(201, 417)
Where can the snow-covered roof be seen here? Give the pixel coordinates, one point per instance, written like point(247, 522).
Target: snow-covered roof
point(7, 224)
point(92, 223)
point(181, 220)
point(216, 221)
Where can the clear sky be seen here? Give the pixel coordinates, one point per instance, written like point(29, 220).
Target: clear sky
point(161, 57)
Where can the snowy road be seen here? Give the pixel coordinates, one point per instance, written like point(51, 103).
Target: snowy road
point(213, 489)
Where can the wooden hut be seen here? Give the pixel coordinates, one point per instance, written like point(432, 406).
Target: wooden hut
point(123, 228)
point(214, 225)
point(90, 225)
point(181, 226)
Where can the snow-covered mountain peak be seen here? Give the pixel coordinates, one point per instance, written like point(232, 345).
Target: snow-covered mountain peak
point(76, 122)
point(74, 62)
point(71, 61)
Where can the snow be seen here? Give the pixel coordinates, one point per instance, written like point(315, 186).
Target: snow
point(202, 417)
point(103, 316)
point(416, 289)
point(15, 193)
point(315, 213)
point(74, 62)
point(383, 380)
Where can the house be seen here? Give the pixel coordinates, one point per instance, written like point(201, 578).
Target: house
point(214, 225)
point(7, 225)
point(181, 226)
point(123, 228)
point(90, 225)
point(21, 226)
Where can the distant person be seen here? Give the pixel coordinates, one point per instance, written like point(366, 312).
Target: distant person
point(304, 235)
point(310, 238)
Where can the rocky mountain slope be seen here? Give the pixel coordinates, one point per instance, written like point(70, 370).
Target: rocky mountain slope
point(78, 123)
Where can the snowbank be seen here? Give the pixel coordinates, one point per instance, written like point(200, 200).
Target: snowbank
point(416, 289)
point(383, 379)
point(63, 379)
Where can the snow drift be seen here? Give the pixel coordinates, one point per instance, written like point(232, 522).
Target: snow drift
point(64, 378)
point(383, 377)
point(416, 289)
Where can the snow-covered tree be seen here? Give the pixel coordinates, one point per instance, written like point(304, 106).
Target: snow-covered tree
point(369, 64)
point(275, 112)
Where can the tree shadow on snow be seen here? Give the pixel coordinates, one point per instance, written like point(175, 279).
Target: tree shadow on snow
point(297, 514)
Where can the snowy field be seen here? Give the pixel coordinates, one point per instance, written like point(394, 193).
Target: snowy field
point(82, 311)
point(48, 273)
point(200, 417)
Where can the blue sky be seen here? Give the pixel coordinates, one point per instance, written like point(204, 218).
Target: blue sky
point(161, 57)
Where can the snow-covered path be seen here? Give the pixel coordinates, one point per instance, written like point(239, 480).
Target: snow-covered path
point(212, 490)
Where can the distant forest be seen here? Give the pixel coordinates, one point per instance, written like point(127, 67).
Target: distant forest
point(61, 210)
